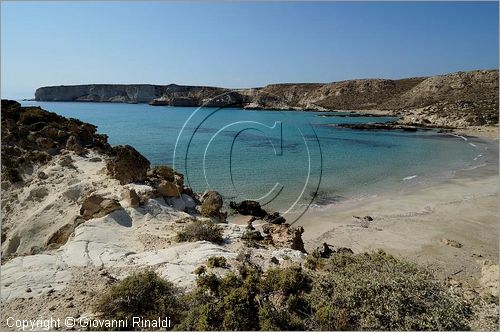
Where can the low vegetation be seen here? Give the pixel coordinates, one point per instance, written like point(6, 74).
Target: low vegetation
point(217, 261)
point(200, 230)
point(143, 294)
point(348, 292)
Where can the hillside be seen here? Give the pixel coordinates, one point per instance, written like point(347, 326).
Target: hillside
point(455, 100)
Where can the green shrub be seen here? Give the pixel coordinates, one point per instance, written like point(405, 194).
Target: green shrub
point(200, 270)
point(217, 261)
point(252, 238)
point(13, 175)
point(37, 156)
point(143, 294)
point(32, 115)
point(200, 230)
point(285, 305)
point(380, 292)
point(227, 303)
point(351, 292)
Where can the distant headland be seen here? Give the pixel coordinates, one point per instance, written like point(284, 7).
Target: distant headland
point(463, 96)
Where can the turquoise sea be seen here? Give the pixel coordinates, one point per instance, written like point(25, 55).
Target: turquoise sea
point(286, 159)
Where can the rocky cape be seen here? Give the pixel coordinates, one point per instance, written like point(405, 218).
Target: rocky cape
point(455, 100)
point(78, 213)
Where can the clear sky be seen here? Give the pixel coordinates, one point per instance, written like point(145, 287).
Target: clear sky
point(239, 44)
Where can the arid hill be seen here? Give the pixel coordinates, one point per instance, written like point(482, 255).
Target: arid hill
point(457, 99)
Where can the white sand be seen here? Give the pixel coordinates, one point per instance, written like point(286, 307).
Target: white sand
point(413, 224)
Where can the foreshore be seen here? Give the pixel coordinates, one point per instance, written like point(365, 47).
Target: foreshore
point(420, 224)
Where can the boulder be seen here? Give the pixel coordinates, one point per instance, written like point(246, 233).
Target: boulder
point(250, 224)
point(168, 189)
point(326, 251)
point(189, 201)
point(96, 206)
point(45, 143)
point(248, 208)
point(177, 203)
point(131, 198)
point(211, 203)
point(72, 144)
point(163, 172)
point(285, 236)
point(61, 236)
point(127, 164)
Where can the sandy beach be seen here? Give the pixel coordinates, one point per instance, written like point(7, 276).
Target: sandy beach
point(416, 225)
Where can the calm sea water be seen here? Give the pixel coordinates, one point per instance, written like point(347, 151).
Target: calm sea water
point(284, 159)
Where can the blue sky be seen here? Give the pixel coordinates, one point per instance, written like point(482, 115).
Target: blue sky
point(239, 44)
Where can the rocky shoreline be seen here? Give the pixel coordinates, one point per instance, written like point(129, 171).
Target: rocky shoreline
point(71, 201)
point(79, 216)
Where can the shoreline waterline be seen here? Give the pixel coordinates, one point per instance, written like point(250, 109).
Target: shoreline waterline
point(347, 164)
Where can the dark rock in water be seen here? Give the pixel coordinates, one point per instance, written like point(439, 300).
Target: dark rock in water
point(377, 126)
point(248, 208)
point(327, 200)
point(352, 115)
point(127, 164)
point(275, 218)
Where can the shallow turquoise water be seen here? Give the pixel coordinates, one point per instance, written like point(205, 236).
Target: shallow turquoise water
point(240, 154)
